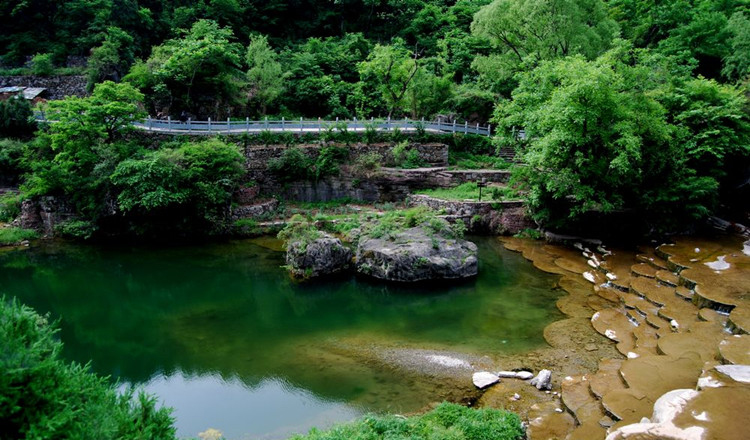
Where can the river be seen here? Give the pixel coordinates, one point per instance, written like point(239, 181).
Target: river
point(223, 336)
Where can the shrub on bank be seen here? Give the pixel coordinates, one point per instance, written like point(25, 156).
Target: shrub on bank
point(448, 421)
point(43, 397)
point(10, 236)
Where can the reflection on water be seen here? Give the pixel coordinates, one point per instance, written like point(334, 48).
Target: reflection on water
point(210, 401)
point(221, 331)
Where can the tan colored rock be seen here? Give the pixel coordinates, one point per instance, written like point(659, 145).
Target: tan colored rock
point(607, 378)
point(655, 375)
point(643, 270)
point(628, 405)
point(735, 349)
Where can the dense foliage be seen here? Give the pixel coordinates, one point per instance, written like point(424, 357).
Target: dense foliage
point(41, 396)
point(115, 183)
point(609, 135)
point(447, 421)
point(627, 105)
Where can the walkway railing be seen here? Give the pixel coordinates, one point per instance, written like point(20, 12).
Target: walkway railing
point(303, 126)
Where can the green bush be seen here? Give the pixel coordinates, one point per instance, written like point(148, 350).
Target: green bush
point(405, 156)
point(366, 165)
point(299, 230)
point(448, 421)
point(43, 397)
point(42, 64)
point(78, 229)
point(328, 161)
point(292, 165)
point(16, 118)
point(394, 222)
point(10, 207)
point(9, 236)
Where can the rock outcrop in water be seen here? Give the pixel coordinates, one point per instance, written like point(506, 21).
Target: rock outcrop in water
point(416, 254)
point(322, 256)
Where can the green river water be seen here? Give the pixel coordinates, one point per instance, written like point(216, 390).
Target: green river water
point(223, 335)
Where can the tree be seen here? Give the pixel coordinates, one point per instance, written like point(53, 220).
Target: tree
point(391, 69)
point(737, 62)
point(183, 189)
point(598, 142)
point(112, 59)
point(198, 73)
point(525, 32)
point(265, 78)
point(78, 152)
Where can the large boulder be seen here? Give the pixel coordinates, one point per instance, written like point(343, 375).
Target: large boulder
point(416, 254)
point(324, 255)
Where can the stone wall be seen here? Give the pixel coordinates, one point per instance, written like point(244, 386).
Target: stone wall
point(257, 157)
point(44, 214)
point(256, 210)
point(57, 87)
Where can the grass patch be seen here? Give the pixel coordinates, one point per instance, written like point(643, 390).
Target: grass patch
point(299, 230)
point(10, 236)
point(464, 191)
point(448, 421)
point(464, 160)
point(393, 222)
point(470, 191)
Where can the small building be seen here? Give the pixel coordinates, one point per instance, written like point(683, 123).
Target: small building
point(33, 94)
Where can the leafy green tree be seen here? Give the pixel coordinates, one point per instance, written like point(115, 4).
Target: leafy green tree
point(597, 142)
point(428, 94)
point(265, 78)
point(180, 189)
point(42, 64)
point(77, 153)
point(112, 59)
point(199, 72)
point(391, 69)
point(525, 32)
point(737, 62)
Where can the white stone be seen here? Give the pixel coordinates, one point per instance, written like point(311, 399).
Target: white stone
point(738, 373)
point(719, 264)
point(661, 425)
point(510, 374)
point(670, 404)
point(611, 276)
point(592, 263)
point(516, 396)
point(588, 276)
point(542, 380)
point(524, 375)
point(708, 382)
point(703, 417)
point(483, 379)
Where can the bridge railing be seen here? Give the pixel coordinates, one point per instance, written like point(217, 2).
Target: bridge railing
point(301, 126)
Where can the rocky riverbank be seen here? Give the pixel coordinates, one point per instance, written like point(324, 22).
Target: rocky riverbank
point(676, 316)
